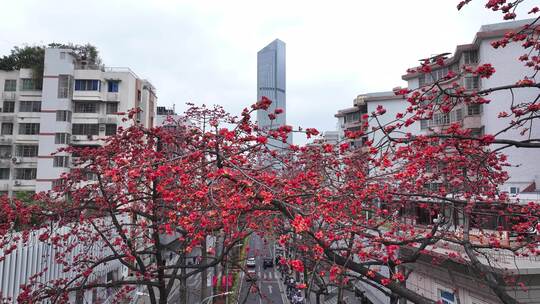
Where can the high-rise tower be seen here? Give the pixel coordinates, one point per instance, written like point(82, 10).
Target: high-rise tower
point(271, 83)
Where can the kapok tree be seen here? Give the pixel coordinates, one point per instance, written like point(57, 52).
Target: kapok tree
point(355, 206)
point(142, 202)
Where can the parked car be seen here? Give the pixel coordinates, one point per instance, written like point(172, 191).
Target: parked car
point(267, 262)
point(251, 262)
point(251, 275)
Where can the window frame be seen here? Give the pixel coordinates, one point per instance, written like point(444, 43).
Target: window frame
point(34, 128)
point(113, 86)
point(10, 88)
point(89, 107)
point(61, 161)
point(26, 150)
point(470, 57)
point(25, 175)
point(474, 109)
point(8, 151)
point(62, 138)
point(63, 115)
point(30, 84)
point(10, 109)
point(30, 106)
point(6, 124)
point(88, 85)
point(474, 82)
point(85, 128)
point(110, 104)
point(108, 130)
point(5, 170)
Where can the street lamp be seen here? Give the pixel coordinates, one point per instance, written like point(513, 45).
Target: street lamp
point(220, 294)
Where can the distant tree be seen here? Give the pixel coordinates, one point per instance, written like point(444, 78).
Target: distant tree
point(32, 57)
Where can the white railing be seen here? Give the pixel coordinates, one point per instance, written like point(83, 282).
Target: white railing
point(9, 96)
point(35, 256)
point(113, 96)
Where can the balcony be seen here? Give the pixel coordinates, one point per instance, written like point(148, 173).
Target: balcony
point(24, 184)
point(6, 139)
point(9, 118)
point(113, 97)
point(9, 96)
point(85, 140)
point(87, 96)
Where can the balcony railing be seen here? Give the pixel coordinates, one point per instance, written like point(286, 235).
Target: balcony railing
point(113, 97)
point(82, 66)
point(9, 96)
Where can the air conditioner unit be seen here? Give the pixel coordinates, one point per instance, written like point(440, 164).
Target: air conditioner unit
point(17, 183)
point(16, 160)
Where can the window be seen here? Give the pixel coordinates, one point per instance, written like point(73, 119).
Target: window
point(470, 57)
point(110, 129)
point(138, 95)
point(474, 109)
point(85, 107)
point(26, 150)
point(25, 173)
point(85, 129)
point(352, 117)
point(421, 80)
point(57, 183)
point(4, 173)
point(9, 107)
point(112, 107)
point(459, 114)
point(10, 85)
point(7, 128)
point(442, 119)
point(423, 124)
point(28, 128)
point(62, 115)
point(29, 84)
point(30, 106)
point(5, 151)
point(61, 161)
point(91, 176)
point(62, 138)
point(112, 86)
point(64, 86)
point(472, 82)
point(477, 132)
point(514, 190)
point(87, 85)
point(446, 297)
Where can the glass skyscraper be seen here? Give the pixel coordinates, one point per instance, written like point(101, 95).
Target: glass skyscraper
point(271, 83)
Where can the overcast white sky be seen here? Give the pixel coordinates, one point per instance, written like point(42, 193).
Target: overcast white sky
point(206, 51)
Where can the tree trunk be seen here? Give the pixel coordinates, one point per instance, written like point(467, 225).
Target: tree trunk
point(204, 273)
point(183, 282)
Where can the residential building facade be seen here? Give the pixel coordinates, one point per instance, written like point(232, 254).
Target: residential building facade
point(451, 282)
point(76, 104)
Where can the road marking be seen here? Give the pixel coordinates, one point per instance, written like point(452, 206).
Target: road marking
point(270, 289)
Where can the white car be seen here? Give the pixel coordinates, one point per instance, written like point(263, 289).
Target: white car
point(251, 262)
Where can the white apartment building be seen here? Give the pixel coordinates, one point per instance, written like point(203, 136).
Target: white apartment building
point(77, 104)
point(483, 119)
point(452, 282)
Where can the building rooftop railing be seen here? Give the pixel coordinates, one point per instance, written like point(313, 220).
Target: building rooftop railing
point(103, 68)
